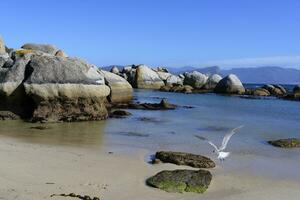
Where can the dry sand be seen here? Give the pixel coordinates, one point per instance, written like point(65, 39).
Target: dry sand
point(35, 171)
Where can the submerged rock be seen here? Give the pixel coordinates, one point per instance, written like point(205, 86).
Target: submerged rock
point(163, 105)
point(180, 158)
point(231, 84)
point(119, 114)
point(286, 143)
point(181, 181)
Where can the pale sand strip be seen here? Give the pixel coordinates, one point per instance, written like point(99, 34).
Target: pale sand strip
point(26, 168)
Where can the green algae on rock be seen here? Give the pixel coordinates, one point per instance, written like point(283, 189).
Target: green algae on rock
point(181, 181)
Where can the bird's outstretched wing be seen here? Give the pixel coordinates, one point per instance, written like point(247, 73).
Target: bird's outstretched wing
point(228, 136)
point(209, 142)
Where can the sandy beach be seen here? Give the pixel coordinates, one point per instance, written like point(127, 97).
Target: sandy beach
point(31, 171)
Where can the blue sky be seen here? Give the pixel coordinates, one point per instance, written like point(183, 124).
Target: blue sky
point(228, 33)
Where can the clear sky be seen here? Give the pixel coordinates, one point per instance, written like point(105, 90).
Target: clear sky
point(228, 33)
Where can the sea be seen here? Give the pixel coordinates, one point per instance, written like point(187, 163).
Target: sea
point(206, 115)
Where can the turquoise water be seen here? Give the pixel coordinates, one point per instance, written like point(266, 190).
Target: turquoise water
point(212, 116)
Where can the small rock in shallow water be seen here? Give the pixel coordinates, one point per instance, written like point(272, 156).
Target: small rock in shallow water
point(119, 114)
point(39, 127)
point(180, 158)
point(286, 143)
point(181, 181)
point(134, 134)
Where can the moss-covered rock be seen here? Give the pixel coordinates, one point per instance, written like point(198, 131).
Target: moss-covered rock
point(286, 143)
point(180, 158)
point(181, 181)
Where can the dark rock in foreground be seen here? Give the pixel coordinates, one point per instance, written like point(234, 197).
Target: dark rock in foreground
point(188, 159)
point(286, 143)
point(163, 105)
point(181, 181)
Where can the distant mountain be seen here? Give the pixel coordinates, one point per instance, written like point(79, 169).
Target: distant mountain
point(266, 75)
point(205, 70)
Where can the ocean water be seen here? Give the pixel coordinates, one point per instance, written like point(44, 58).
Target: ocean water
point(212, 116)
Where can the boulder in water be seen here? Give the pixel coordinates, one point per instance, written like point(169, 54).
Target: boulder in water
point(195, 79)
point(230, 84)
point(286, 143)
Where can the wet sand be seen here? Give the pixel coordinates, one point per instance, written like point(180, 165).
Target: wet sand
point(32, 171)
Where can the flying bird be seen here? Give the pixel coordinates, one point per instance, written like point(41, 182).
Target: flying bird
point(220, 150)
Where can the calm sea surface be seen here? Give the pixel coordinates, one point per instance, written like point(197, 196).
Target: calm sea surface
point(212, 116)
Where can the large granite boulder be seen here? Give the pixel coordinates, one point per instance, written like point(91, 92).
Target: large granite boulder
point(212, 81)
point(180, 158)
point(146, 78)
point(46, 48)
point(230, 84)
point(120, 90)
point(45, 87)
point(286, 143)
point(65, 89)
point(181, 180)
point(195, 79)
point(169, 79)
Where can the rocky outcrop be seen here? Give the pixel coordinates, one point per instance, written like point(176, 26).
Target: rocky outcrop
point(181, 181)
point(180, 158)
point(212, 82)
point(286, 143)
point(45, 87)
point(230, 84)
point(195, 79)
point(146, 78)
point(275, 90)
point(120, 90)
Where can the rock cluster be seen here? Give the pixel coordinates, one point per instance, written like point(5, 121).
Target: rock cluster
point(39, 82)
point(144, 77)
point(268, 90)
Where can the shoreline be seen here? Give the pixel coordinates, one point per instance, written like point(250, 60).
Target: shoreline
point(69, 169)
